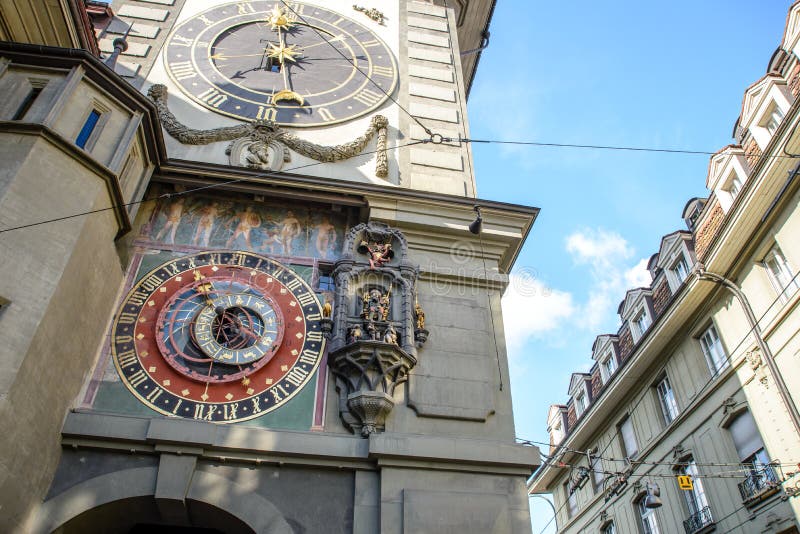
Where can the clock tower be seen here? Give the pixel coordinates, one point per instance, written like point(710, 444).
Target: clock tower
point(286, 321)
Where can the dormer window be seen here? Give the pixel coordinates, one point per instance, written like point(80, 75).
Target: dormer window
point(773, 119)
point(641, 322)
point(607, 367)
point(680, 268)
point(580, 403)
point(734, 186)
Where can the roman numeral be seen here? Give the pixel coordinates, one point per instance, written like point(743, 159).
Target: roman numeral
point(266, 114)
point(180, 40)
point(297, 376)
point(127, 358)
point(245, 8)
point(367, 97)
point(155, 394)
point(370, 44)
point(380, 70)
point(308, 356)
point(183, 70)
point(278, 392)
point(137, 378)
point(205, 20)
point(305, 298)
point(229, 410)
point(212, 97)
point(314, 336)
point(127, 318)
point(293, 284)
point(326, 115)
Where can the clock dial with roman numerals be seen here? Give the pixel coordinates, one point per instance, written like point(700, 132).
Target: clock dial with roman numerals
point(293, 63)
point(218, 336)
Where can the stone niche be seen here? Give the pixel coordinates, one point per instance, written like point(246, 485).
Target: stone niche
point(376, 325)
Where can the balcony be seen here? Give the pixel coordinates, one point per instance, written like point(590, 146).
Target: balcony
point(762, 482)
point(699, 522)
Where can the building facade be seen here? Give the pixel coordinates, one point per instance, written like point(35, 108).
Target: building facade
point(238, 287)
point(693, 403)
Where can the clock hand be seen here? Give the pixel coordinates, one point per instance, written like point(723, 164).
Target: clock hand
point(285, 54)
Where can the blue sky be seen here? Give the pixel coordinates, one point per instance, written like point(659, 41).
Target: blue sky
point(628, 73)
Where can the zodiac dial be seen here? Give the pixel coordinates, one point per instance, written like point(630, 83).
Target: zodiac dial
point(292, 63)
point(218, 336)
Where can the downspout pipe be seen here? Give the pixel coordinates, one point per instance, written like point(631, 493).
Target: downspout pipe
point(548, 501)
point(783, 390)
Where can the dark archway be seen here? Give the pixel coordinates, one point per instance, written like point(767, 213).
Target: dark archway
point(140, 515)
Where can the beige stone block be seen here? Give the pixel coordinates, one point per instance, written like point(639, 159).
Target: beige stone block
point(147, 13)
point(435, 158)
point(427, 23)
point(439, 113)
point(432, 91)
point(134, 49)
point(431, 73)
point(136, 29)
point(427, 54)
point(442, 41)
point(450, 185)
point(127, 69)
point(427, 9)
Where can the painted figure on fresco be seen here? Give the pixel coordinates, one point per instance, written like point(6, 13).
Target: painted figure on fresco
point(208, 216)
point(326, 237)
point(379, 253)
point(290, 229)
point(248, 219)
point(174, 213)
point(269, 241)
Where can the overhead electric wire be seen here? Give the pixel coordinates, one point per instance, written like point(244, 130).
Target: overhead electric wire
point(711, 379)
point(189, 191)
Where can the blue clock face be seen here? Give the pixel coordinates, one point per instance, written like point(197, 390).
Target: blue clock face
point(292, 63)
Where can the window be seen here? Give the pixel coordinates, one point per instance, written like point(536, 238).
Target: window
point(773, 119)
point(628, 438)
point(712, 348)
point(572, 500)
point(735, 186)
point(642, 322)
point(88, 128)
point(580, 403)
point(696, 501)
point(666, 397)
point(748, 441)
point(780, 273)
point(648, 518)
point(598, 476)
point(30, 98)
point(607, 367)
point(325, 282)
point(608, 529)
point(681, 269)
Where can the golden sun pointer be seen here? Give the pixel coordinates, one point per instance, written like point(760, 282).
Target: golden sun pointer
point(280, 19)
point(284, 53)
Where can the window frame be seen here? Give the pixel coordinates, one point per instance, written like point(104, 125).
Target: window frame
point(642, 321)
point(669, 406)
point(621, 434)
point(715, 367)
point(776, 255)
point(645, 515)
point(605, 373)
point(580, 402)
point(572, 500)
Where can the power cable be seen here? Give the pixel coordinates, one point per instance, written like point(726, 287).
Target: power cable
point(193, 190)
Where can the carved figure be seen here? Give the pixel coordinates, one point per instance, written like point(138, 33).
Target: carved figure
point(379, 253)
point(390, 335)
point(291, 228)
point(385, 305)
point(420, 314)
point(173, 220)
point(373, 308)
point(354, 334)
point(372, 330)
point(327, 309)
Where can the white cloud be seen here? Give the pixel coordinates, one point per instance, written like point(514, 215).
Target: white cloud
point(531, 309)
point(608, 255)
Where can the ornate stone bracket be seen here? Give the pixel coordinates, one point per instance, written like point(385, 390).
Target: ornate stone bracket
point(377, 324)
point(261, 136)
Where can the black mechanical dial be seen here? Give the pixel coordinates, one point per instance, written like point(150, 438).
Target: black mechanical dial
point(293, 63)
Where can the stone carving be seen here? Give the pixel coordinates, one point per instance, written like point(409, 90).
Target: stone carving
point(372, 13)
point(756, 362)
point(373, 339)
point(261, 136)
point(268, 155)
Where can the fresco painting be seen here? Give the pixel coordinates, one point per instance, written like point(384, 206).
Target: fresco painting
point(257, 227)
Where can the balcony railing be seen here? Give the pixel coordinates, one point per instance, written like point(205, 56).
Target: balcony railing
point(698, 521)
point(761, 481)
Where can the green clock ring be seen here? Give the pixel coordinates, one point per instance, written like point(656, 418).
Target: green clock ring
point(218, 336)
point(293, 63)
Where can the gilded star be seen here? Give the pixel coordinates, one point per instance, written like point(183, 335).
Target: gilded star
point(284, 53)
point(280, 18)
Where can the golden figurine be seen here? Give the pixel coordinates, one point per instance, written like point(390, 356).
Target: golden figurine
point(326, 309)
point(420, 313)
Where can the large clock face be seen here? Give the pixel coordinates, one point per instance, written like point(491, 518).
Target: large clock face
point(293, 63)
point(218, 336)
